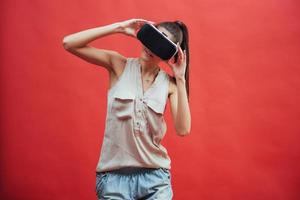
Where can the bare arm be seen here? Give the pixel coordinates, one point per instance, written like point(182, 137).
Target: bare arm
point(77, 43)
point(180, 108)
point(179, 100)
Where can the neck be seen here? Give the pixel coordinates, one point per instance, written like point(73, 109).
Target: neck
point(148, 68)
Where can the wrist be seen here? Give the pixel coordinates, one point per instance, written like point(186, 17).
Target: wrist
point(180, 79)
point(118, 28)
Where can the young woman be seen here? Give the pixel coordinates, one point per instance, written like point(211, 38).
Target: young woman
point(132, 163)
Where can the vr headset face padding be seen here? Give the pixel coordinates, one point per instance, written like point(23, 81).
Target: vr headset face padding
point(156, 42)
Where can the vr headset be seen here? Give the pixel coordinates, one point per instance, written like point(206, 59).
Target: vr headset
point(156, 41)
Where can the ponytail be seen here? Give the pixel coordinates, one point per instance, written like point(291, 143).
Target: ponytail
point(184, 46)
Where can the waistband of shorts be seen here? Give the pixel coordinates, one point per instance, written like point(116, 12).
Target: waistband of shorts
point(131, 170)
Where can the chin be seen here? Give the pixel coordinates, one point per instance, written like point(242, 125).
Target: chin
point(149, 58)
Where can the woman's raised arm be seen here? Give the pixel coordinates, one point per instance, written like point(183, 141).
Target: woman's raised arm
point(77, 43)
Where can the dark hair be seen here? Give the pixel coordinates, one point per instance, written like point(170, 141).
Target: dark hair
point(180, 33)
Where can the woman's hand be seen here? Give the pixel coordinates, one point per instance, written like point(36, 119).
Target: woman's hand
point(178, 67)
point(131, 26)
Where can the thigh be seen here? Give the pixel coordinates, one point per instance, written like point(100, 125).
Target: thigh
point(156, 185)
point(110, 186)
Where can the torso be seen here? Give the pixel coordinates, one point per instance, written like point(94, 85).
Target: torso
point(135, 123)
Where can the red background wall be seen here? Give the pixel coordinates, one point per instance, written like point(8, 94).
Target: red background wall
point(245, 98)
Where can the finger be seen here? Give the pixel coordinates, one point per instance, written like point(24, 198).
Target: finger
point(183, 56)
point(168, 62)
point(139, 25)
point(174, 61)
point(179, 49)
point(180, 53)
point(138, 22)
point(151, 22)
point(141, 20)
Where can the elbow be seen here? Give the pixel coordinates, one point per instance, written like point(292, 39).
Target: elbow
point(183, 132)
point(65, 43)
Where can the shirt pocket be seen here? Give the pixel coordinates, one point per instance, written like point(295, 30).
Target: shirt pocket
point(123, 105)
point(157, 107)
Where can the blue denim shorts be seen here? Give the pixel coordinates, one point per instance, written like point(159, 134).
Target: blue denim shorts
point(134, 183)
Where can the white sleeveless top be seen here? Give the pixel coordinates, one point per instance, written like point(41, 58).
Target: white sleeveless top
point(135, 123)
